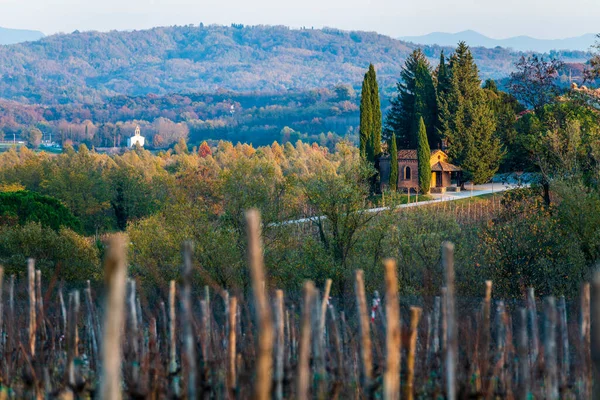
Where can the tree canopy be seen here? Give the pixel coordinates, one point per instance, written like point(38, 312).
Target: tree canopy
point(415, 98)
point(26, 206)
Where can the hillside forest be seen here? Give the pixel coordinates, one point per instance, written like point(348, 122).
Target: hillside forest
point(240, 83)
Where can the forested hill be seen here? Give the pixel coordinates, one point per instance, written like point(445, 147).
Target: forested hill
point(86, 67)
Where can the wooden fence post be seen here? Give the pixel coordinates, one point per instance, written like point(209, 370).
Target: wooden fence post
point(415, 317)
point(452, 339)
point(189, 342)
point(393, 340)
point(365, 333)
point(584, 338)
point(115, 268)
point(522, 349)
point(533, 320)
point(484, 340)
point(264, 363)
point(231, 348)
point(303, 374)
point(551, 383)
point(32, 313)
point(279, 344)
point(595, 334)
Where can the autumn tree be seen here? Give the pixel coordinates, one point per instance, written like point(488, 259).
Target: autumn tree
point(33, 136)
point(534, 81)
point(204, 150)
point(339, 203)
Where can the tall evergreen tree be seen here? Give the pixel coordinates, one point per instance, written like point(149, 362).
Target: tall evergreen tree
point(481, 148)
point(394, 163)
point(375, 112)
point(467, 121)
point(423, 158)
point(443, 76)
point(415, 98)
point(365, 117)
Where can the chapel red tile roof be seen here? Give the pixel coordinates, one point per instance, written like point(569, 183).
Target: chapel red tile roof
point(442, 166)
point(407, 154)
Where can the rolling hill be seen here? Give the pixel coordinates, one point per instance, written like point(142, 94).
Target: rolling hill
point(518, 43)
point(88, 67)
point(12, 36)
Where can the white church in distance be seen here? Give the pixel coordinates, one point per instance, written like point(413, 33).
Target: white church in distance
point(136, 139)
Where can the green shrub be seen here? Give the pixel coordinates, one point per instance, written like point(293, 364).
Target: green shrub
point(63, 253)
point(25, 206)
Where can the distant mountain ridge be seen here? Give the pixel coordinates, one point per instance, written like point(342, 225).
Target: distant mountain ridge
point(88, 67)
point(518, 43)
point(13, 36)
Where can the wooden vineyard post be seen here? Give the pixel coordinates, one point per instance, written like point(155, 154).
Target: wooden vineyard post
point(173, 340)
point(533, 320)
point(595, 334)
point(551, 377)
point(133, 322)
point(11, 329)
point(264, 363)
point(231, 348)
point(115, 275)
point(319, 375)
point(280, 344)
point(32, 314)
point(324, 304)
point(415, 317)
point(393, 340)
point(484, 340)
point(451, 331)
point(188, 335)
point(303, 373)
point(522, 348)
point(436, 325)
point(564, 341)
point(154, 359)
point(337, 344)
point(91, 328)
point(208, 317)
point(73, 338)
point(1, 313)
point(364, 331)
point(63, 311)
point(584, 332)
point(40, 305)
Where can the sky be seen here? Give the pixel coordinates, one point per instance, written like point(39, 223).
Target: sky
point(545, 19)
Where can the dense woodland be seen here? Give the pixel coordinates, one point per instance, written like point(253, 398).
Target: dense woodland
point(323, 116)
point(283, 84)
point(88, 67)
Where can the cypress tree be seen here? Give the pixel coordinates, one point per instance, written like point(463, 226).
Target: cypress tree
point(394, 163)
point(423, 158)
point(415, 98)
point(375, 112)
point(365, 117)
